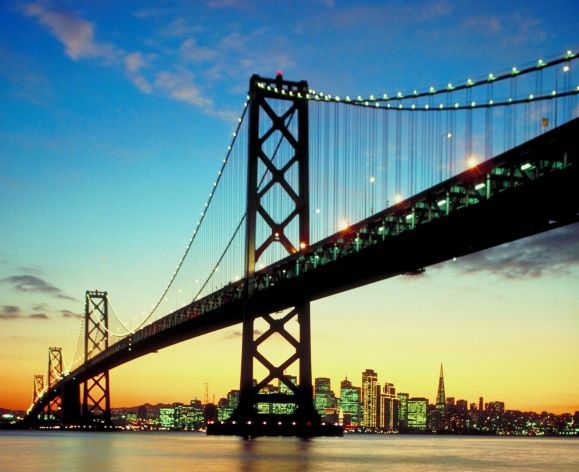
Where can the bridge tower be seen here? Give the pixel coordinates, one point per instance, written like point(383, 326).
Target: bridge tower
point(96, 405)
point(288, 123)
point(55, 369)
point(38, 387)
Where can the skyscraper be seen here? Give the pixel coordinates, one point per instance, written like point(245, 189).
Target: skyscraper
point(389, 408)
point(350, 405)
point(370, 399)
point(325, 400)
point(440, 396)
point(439, 414)
point(402, 411)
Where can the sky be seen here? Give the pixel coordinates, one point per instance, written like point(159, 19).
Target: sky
point(115, 117)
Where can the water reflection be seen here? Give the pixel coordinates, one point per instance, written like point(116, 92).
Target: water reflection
point(176, 452)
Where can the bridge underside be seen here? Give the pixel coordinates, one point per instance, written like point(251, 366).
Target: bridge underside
point(539, 205)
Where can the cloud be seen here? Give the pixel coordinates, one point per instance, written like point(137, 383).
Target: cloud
point(134, 62)
point(70, 315)
point(483, 24)
point(191, 51)
point(76, 34)
point(554, 253)
point(181, 86)
point(33, 284)
point(11, 312)
point(41, 307)
point(237, 334)
point(512, 30)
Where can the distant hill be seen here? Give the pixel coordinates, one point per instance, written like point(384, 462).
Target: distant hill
point(152, 410)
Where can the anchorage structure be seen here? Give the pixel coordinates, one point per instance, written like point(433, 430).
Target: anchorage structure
point(288, 125)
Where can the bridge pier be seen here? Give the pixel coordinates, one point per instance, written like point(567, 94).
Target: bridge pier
point(71, 414)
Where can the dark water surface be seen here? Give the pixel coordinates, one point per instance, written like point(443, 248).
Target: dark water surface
point(141, 452)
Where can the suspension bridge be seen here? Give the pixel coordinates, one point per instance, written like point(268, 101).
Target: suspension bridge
point(318, 194)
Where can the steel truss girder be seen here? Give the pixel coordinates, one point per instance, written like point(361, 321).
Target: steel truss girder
point(300, 395)
point(96, 393)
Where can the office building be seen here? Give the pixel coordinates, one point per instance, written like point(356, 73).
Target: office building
point(350, 404)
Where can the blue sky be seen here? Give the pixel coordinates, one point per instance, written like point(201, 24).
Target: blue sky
point(115, 117)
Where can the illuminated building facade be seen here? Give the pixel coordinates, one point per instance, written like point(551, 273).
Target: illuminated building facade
point(402, 411)
point(285, 408)
point(370, 399)
point(389, 408)
point(417, 414)
point(324, 400)
point(350, 404)
point(167, 418)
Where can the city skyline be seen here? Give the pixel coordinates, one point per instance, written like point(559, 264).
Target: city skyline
point(115, 124)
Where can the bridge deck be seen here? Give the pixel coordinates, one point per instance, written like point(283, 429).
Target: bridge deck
point(529, 189)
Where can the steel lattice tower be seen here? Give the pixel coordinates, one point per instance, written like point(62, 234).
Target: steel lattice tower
point(55, 369)
point(38, 387)
point(96, 396)
point(263, 117)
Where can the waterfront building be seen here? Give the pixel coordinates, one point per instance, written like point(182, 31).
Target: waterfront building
point(226, 406)
point(389, 408)
point(324, 400)
point(370, 399)
point(266, 408)
point(167, 418)
point(417, 414)
point(402, 411)
point(285, 408)
point(350, 404)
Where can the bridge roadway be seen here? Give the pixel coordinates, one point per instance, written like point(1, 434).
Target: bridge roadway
point(529, 189)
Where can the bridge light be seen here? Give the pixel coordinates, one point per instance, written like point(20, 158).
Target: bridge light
point(398, 198)
point(441, 202)
point(479, 186)
point(449, 135)
point(372, 179)
point(566, 68)
point(317, 211)
point(471, 161)
point(343, 225)
point(410, 216)
point(303, 245)
point(526, 166)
